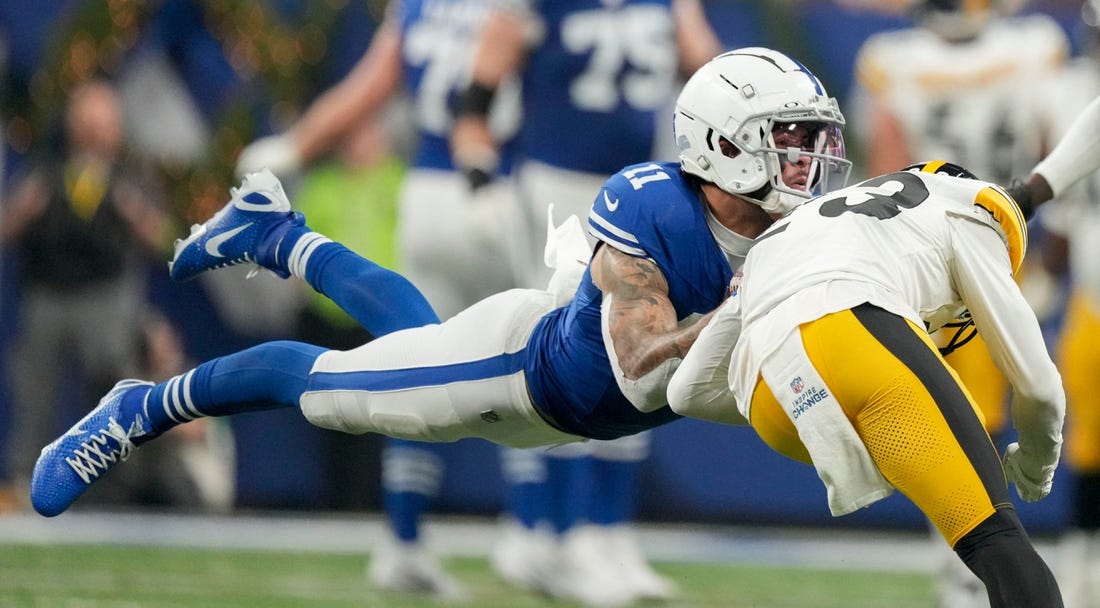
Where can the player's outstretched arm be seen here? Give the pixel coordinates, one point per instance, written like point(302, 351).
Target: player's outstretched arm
point(700, 388)
point(641, 334)
point(1075, 156)
point(500, 52)
point(359, 97)
point(696, 40)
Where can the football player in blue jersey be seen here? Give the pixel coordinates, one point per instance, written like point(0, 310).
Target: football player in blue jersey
point(450, 240)
point(597, 80)
point(588, 359)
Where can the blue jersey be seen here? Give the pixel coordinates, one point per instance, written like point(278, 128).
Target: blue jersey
point(595, 82)
point(652, 211)
point(438, 39)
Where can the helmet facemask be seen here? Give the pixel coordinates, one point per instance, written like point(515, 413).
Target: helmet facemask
point(805, 158)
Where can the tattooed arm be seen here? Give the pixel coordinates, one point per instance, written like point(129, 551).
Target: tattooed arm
point(643, 340)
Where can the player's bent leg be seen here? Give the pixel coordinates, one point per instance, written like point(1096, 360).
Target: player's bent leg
point(462, 378)
point(379, 299)
point(922, 429)
point(257, 226)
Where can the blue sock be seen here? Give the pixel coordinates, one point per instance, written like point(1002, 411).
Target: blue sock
point(615, 491)
point(569, 490)
point(382, 301)
point(267, 376)
point(525, 488)
point(411, 474)
point(379, 299)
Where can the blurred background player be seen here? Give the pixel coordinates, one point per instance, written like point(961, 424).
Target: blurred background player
point(597, 78)
point(1073, 250)
point(950, 88)
point(451, 240)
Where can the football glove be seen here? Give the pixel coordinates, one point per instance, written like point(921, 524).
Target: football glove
point(1022, 194)
point(274, 152)
point(1032, 474)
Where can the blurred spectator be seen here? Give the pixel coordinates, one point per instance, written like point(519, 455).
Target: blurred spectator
point(950, 89)
point(81, 221)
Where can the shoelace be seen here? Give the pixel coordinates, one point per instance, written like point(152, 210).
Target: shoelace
point(90, 459)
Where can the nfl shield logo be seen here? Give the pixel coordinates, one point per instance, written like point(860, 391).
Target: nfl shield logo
point(797, 385)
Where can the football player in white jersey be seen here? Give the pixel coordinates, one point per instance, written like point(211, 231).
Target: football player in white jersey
point(598, 76)
point(950, 88)
point(825, 351)
point(450, 240)
point(1073, 221)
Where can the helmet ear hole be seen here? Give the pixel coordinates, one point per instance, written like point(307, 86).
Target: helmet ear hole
point(728, 149)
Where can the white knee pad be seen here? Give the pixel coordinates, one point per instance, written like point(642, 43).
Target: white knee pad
point(428, 417)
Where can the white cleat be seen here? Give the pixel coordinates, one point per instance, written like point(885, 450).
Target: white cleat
point(625, 552)
point(586, 574)
point(410, 568)
point(525, 558)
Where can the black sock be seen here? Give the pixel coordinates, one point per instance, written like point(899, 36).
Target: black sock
point(999, 552)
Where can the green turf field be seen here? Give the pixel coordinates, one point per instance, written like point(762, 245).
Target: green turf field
point(100, 576)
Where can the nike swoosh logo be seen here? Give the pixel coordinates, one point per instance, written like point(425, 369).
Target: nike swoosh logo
point(611, 206)
point(215, 242)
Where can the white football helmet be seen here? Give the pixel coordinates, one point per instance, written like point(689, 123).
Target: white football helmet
point(774, 111)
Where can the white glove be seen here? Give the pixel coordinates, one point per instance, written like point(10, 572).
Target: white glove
point(566, 253)
point(1032, 475)
point(275, 152)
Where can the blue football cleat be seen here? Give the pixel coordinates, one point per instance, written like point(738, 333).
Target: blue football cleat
point(246, 230)
point(68, 466)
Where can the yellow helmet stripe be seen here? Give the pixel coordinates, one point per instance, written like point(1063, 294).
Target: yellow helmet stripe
point(1007, 213)
point(932, 166)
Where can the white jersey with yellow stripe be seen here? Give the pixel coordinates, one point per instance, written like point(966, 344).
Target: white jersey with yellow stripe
point(971, 103)
point(923, 246)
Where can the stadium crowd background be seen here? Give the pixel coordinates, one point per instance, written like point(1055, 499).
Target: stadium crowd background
point(236, 70)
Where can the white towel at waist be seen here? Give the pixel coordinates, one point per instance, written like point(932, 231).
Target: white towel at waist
point(842, 462)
